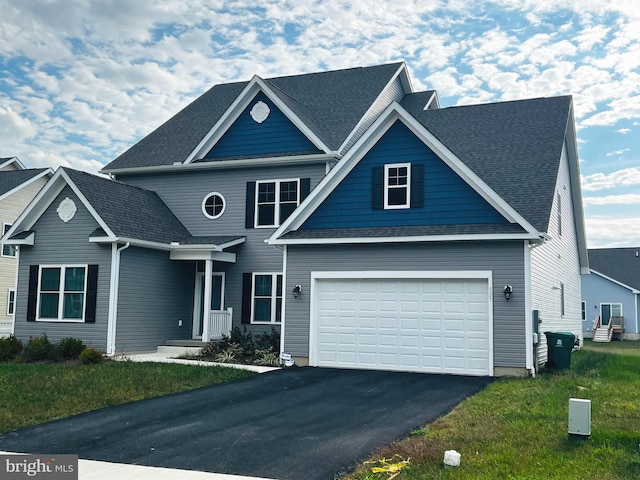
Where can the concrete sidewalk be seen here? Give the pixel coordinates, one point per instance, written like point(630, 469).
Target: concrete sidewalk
point(94, 470)
point(169, 358)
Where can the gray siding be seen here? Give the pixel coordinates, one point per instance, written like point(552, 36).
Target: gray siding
point(393, 93)
point(154, 294)
point(504, 259)
point(184, 192)
point(59, 243)
point(555, 262)
point(597, 290)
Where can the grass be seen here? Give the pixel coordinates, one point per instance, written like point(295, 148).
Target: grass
point(517, 428)
point(32, 394)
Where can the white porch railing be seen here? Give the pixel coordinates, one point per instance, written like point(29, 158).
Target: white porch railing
point(219, 324)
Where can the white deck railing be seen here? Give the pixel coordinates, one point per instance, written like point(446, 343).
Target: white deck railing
point(219, 325)
point(5, 328)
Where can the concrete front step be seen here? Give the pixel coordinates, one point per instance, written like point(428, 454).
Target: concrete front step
point(176, 351)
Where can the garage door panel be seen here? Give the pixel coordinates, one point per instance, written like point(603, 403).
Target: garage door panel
point(428, 325)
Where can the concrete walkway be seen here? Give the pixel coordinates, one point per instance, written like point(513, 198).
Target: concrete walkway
point(169, 358)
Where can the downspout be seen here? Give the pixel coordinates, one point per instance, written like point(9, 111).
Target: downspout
point(15, 292)
point(528, 307)
point(113, 297)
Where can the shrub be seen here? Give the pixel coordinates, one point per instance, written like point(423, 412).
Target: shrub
point(268, 341)
point(243, 338)
point(267, 357)
point(230, 354)
point(39, 349)
point(211, 349)
point(10, 348)
point(70, 348)
point(90, 356)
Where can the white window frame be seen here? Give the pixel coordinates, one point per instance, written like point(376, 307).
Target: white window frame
point(61, 293)
point(274, 297)
point(611, 304)
point(276, 216)
point(559, 212)
point(388, 187)
point(11, 302)
point(5, 229)
point(207, 197)
point(583, 306)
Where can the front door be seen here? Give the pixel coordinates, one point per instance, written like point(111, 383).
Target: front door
point(608, 310)
point(217, 300)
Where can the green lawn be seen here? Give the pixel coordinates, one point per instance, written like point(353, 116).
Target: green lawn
point(517, 428)
point(32, 394)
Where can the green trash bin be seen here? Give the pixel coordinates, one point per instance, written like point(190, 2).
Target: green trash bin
point(559, 348)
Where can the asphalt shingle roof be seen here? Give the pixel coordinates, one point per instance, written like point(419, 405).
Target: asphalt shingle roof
point(329, 103)
point(422, 230)
point(621, 264)
point(11, 179)
point(129, 211)
point(515, 147)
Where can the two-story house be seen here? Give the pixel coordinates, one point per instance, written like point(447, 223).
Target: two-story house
point(373, 228)
point(18, 186)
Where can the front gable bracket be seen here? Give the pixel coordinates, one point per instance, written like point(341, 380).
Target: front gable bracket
point(255, 86)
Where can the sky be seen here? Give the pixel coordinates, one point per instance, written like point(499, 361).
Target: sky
point(82, 80)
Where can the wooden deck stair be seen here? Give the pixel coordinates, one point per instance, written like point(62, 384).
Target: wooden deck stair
point(604, 333)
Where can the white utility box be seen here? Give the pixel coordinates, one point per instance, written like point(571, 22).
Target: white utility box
point(579, 417)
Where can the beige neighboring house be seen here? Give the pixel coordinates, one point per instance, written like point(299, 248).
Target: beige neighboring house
point(18, 186)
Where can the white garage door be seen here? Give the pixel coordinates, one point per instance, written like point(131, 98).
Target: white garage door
point(406, 324)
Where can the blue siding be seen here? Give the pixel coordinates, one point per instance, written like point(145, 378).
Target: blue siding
point(276, 135)
point(597, 290)
point(448, 200)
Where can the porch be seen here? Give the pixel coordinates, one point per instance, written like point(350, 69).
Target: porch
point(604, 331)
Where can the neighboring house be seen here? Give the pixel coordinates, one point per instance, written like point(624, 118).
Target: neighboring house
point(18, 186)
point(373, 228)
point(612, 290)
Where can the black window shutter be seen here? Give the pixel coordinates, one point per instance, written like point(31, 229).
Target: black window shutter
point(417, 186)
point(92, 294)
point(247, 279)
point(251, 205)
point(33, 293)
point(377, 188)
point(305, 188)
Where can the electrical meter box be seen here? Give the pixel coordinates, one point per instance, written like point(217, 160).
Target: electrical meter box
point(579, 417)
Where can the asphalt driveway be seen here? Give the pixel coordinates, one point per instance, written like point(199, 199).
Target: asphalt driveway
point(294, 424)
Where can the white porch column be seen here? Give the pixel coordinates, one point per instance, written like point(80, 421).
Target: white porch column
point(206, 310)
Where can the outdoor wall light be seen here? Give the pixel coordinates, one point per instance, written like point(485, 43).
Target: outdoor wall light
point(508, 290)
point(296, 291)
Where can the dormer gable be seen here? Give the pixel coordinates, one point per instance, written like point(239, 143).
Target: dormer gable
point(261, 130)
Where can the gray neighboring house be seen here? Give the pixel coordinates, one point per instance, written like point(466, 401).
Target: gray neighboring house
point(368, 225)
point(612, 291)
point(18, 186)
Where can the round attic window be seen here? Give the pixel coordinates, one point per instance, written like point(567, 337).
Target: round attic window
point(213, 205)
point(67, 210)
point(260, 112)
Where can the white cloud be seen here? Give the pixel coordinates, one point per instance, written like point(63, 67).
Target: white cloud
point(603, 232)
point(624, 131)
point(617, 152)
point(14, 126)
point(623, 199)
point(627, 177)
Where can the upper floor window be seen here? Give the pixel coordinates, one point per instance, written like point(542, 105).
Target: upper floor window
point(275, 201)
point(7, 250)
point(213, 205)
point(397, 185)
point(559, 212)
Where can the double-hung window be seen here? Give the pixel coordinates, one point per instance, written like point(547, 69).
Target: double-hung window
point(62, 292)
point(267, 298)
point(11, 303)
point(7, 250)
point(397, 185)
point(275, 201)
